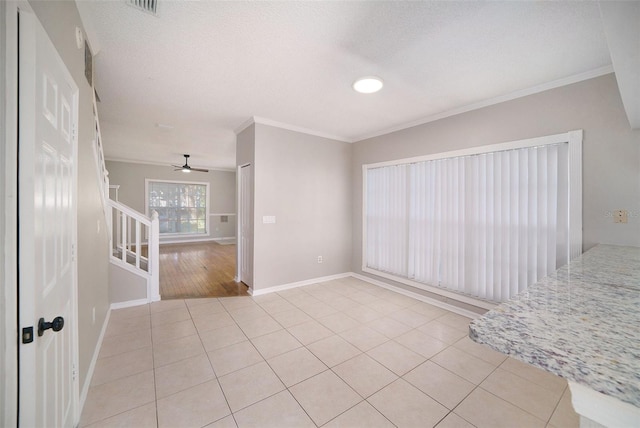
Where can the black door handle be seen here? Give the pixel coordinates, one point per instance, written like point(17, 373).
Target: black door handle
point(55, 325)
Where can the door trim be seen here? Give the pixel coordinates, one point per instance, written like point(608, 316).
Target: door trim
point(239, 216)
point(17, 7)
point(10, 280)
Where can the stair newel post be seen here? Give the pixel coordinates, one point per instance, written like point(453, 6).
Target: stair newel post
point(154, 257)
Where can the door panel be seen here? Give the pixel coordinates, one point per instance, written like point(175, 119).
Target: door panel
point(246, 264)
point(47, 103)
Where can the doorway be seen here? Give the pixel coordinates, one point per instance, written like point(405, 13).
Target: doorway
point(199, 269)
point(244, 269)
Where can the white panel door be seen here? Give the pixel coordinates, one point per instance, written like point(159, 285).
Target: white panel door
point(47, 103)
point(246, 263)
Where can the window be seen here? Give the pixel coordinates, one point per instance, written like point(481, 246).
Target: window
point(181, 206)
point(484, 223)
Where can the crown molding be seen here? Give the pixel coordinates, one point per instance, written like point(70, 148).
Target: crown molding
point(269, 122)
point(496, 100)
point(432, 118)
point(244, 125)
point(210, 168)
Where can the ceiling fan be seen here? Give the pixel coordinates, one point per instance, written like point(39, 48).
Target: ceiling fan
point(186, 167)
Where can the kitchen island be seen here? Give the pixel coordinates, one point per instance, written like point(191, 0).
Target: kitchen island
point(581, 323)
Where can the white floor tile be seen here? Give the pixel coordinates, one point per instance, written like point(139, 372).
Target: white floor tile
point(267, 359)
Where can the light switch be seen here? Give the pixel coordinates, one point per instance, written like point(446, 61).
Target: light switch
point(268, 219)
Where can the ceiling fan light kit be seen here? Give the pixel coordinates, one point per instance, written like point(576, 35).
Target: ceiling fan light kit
point(186, 167)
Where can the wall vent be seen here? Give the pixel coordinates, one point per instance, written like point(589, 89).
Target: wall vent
point(149, 6)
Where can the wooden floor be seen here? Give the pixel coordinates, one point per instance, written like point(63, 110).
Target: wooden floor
point(198, 270)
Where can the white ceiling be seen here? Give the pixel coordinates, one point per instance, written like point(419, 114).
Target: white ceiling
point(205, 67)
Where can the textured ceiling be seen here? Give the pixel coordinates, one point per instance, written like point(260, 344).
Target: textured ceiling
point(205, 67)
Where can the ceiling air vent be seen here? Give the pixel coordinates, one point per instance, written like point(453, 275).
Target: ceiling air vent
point(149, 6)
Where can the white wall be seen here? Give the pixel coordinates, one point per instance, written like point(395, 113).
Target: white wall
point(59, 19)
point(304, 181)
point(222, 192)
point(611, 151)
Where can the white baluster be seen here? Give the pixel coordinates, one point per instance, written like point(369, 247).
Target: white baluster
point(124, 237)
point(154, 257)
point(138, 249)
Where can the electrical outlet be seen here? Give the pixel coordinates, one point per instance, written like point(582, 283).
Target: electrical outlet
point(93, 315)
point(319, 259)
point(620, 216)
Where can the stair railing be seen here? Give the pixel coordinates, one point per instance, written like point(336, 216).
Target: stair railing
point(133, 232)
point(98, 152)
point(135, 245)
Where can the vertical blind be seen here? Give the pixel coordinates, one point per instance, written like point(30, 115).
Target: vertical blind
point(485, 225)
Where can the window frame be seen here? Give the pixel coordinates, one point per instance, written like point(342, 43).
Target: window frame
point(573, 138)
point(147, 181)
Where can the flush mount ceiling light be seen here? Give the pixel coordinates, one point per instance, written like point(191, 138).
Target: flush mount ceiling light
point(368, 84)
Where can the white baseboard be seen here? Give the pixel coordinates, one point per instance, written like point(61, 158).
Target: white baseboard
point(194, 241)
point(420, 297)
point(298, 284)
point(429, 300)
point(129, 303)
point(94, 359)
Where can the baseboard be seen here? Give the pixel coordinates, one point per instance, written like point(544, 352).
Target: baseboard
point(128, 304)
point(299, 284)
point(92, 366)
point(193, 241)
point(420, 297)
point(429, 300)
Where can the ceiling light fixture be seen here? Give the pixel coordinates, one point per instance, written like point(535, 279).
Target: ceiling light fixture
point(368, 84)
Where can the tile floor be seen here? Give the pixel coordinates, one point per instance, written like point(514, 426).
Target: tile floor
point(342, 353)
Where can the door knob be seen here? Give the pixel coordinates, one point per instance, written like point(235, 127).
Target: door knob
point(55, 325)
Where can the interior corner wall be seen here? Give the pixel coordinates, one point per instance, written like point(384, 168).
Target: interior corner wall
point(222, 193)
point(60, 19)
point(611, 151)
point(303, 181)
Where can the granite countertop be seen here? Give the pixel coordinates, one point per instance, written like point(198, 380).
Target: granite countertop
point(582, 323)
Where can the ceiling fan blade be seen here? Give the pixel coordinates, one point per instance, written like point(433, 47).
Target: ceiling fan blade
point(199, 170)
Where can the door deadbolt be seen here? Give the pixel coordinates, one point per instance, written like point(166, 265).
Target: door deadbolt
point(55, 325)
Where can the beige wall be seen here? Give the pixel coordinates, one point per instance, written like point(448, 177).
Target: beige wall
point(222, 192)
point(125, 286)
point(304, 181)
point(611, 150)
point(60, 18)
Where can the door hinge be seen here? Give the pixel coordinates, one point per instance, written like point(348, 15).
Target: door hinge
point(74, 371)
point(73, 252)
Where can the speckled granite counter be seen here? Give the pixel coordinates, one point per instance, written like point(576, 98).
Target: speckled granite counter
point(581, 323)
